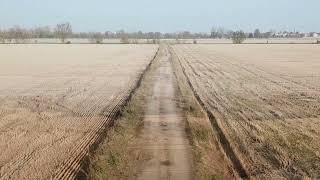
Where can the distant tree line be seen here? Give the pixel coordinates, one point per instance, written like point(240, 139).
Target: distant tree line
point(64, 31)
point(18, 34)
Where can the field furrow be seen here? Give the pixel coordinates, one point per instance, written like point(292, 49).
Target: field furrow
point(261, 104)
point(56, 101)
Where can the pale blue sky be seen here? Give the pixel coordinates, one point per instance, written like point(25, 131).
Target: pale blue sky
point(163, 15)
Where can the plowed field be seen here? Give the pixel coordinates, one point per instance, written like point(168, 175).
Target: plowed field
point(265, 104)
point(55, 101)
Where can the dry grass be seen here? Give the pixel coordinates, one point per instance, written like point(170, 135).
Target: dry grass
point(266, 101)
point(56, 100)
point(114, 159)
point(120, 155)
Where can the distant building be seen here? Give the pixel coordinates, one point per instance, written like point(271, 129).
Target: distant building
point(313, 34)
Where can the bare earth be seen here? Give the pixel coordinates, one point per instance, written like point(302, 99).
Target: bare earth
point(163, 137)
point(266, 102)
point(55, 100)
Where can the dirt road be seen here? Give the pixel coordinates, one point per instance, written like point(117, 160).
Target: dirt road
point(163, 135)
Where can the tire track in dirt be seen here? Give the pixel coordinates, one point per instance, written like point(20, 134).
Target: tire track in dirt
point(224, 141)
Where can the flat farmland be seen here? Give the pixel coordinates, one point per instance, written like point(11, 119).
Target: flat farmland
point(265, 104)
point(55, 101)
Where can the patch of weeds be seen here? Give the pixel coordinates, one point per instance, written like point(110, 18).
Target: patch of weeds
point(201, 134)
point(113, 159)
point(215, 177)
point(192, 109)
point(197, 154)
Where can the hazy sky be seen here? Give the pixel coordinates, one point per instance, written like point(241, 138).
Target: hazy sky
point(163, 15)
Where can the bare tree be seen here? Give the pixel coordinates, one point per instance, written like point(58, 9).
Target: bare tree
point(7, 36)
point(257, 33)
point(63, 31)
point(217, 32)
point(238, 37)
point(42, 32)
point(2, 36)
point(20, 35)
point(221, 32)
point(213, 32)
point(96, 37)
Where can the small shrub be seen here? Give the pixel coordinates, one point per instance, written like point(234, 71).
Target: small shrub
point(195, 42)
point(238, 37)
point(68, 42)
